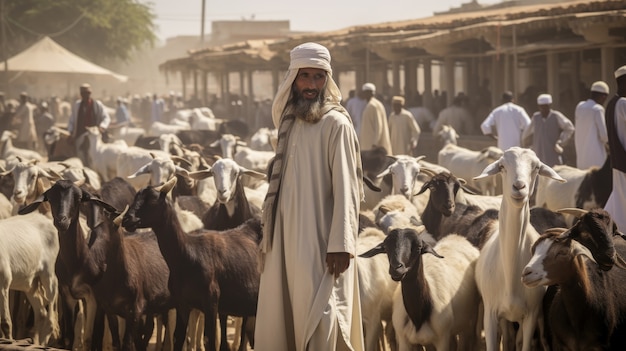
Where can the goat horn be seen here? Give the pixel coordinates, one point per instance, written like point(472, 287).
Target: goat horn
point(165, 188)
point(118, 220)
point(429, 172)
point(578, 212)
point(180, 160)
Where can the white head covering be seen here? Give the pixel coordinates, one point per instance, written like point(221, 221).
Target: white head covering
point(600, 87)
point(544, 99)
point(620, 71)
point(307, 55)
point(369, 87)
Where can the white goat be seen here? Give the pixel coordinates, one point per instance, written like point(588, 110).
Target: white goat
point(158, 128)
point(506, 252)
point(465, 163)
point(405, 172)
point(437, 299)
point(104, 156)
point(28, 252)
point(8, 150)
point(264, 139)
point(132, 159)
point(198, 121)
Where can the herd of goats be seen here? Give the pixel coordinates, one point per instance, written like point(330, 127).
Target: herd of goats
point(486, 249)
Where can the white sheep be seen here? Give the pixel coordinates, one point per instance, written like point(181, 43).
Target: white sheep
point(437, 299)
point(499, 267)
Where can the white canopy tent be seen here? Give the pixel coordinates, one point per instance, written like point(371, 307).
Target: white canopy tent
point(47, 68)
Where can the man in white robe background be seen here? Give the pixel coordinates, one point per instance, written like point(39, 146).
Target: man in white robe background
point(506, 122)
point(403, 129)
point(616, 128)
point(308, 295)
point(590, 137)
point(374, 127)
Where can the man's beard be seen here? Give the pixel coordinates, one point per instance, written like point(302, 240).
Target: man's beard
point(307, 110)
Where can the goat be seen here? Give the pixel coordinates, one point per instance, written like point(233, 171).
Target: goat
point(28, 251)
point(29, 181)
point(58, 144)
point(375, 286)
point(231, 208)
point(438, 298)
point(405, 174)
point(498, 269)
point(104, 157)
point(588, 311)
point(125, 275)
point(466, 163)
point(586, 189)
point(8, 150)
point(210, 270)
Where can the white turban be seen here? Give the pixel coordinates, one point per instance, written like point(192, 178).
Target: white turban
point(307, 55)
point(620, 71)
point(544, 99)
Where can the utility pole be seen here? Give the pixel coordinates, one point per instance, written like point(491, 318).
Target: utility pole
point(5, 81)
point(202, 22)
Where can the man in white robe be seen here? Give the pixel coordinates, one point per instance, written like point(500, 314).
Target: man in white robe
point(374, 127)
point(616, 128)
point(403, 129)
point(506, 123)
point(590, 137)
point(308, 295)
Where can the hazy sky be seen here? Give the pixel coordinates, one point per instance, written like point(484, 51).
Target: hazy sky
point(182, 17)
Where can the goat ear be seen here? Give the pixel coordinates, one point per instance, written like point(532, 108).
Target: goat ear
point(4, 173)
point(216, 143)
point(50, 174)
point(143, 170)
point(378, 249)
point(33, 205)
point(109, 208)
point(491, 170)
point(579, 249)
point(368, 182)
point(202, 174)
point(383, 173)
point(428, 249)
point(547, 171)
point(181, 171)
point(253, 174)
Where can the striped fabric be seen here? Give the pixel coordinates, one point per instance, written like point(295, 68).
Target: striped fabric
point(275, 176)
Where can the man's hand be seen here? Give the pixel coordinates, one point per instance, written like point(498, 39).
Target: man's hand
point(337, 262)
point(558, 148)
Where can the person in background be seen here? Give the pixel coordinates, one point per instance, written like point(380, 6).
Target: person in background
point(158, 109)
point(309, 295)
point(403, 129)
point(24, 124)
point(506, 123)
point(122, 116)
point(374, 130)
point(591, 139)
point(86, 112)
point(43, 121)
point(355, 106)
point(616, 129)
point(550, 130)
point(456, 116)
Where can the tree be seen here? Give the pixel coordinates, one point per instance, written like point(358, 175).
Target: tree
point(98, 30)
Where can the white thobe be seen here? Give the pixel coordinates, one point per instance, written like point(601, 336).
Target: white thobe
point(590, 137)
point(509, 121)
point(301, 306)
point(355, 107)
point(616, 204)
point(374, 127)
point(403, 130)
